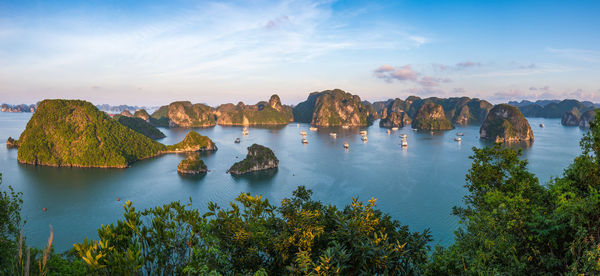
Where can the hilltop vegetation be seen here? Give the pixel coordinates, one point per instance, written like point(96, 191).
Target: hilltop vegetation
point(505, 123)
point(258, 158)
point(263, 113)
point(430, 116)
point(333, 108)
point(187, 115)
point(75, 133)
point(510, 225)
point(140, 126)
point(193, 141)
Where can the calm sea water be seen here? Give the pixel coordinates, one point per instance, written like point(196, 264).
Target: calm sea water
point(417, 185)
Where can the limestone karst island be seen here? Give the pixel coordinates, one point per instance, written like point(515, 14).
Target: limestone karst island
point(299, 137)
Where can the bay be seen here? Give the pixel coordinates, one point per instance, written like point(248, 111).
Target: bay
point(417, 185)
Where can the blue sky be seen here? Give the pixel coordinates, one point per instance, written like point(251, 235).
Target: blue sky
point(155, 52)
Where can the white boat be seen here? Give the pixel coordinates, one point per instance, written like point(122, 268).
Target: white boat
point(394, 128)
point(245, 132)
point(403, 136)
point(364, 138)
point(345, 127)
point(404, 143)
point(237, 140)
point(542, 125)
point(346, 146)
point(414, 129)
point(303, 133)
point(389, 131)
point(460, 134)
point(304, 141)
point(363, 132)
point(457, 139)
point(313, 129)
point(333, 134)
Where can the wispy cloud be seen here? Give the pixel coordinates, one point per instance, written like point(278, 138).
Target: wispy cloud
point(577, 54)
point(406, 73)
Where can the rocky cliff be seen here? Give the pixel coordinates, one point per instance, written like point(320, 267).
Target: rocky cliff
point(11, 143)
point(191, 165)
point(187, 115)
point(160, 117)
point(571, 118)
point(332, 108)
point(259, 158)
point(587, 117)
point(142, 114)
point(394, 114)
point(506, 123)
point(263, 113)
point(431, 116)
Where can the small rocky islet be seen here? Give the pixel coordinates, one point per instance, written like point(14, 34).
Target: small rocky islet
point(506, 123)
point(192, 165)
point(259, 158)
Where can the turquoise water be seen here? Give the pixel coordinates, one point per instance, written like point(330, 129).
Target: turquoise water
point(417, 185)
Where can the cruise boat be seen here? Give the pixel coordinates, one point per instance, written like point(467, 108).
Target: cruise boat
point(346, 146)
point(304, 141)
point(363, 132)
point(542, 125)
point(404, 143)
point(313, 129)
point(345, 127)
point(333, 134)
point(457, 139)
point(394, 128)
point(364, 138)
point(303, 133)
point(460, 134)
point(237, 140)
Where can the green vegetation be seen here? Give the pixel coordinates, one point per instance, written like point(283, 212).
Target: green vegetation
point(510, 225)
point(431, 117)
point(263, 113)
point(140, 126)
point(160, 117)
point(75, 133)
point(188, 115)
point(333, 108)
point(191, 165)
point(258, 158)
point(505, 123)
point(193, 141)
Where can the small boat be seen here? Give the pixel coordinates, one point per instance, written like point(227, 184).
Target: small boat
point(297, 125)
point(460, 134)
point(363, 132)
point(304, 141)
point(414, 129)
point(333, 134)
point(404, 143)
point(542, 125)
point(394, 128)
point(245, 131)
point(364, 138)
point(345, 127)
point(389, 131)
point(403, 136)
point(237, 140)
point(457, 139)
point(313, 129)
point(346, 146)
point(303, 133)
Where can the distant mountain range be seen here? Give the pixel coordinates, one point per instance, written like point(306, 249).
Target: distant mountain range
point(120, 108)
point(18, 108)
point(552, 108)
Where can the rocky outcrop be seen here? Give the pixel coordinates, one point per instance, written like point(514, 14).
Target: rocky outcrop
point(263, 113)
point(551, 109)
point(371, 111)
point(332, 108)
point(126, 113)
point(140, 126)
point(259, 158)
point(506, 123)
point(193, 142)
point(587, 117)
point(191, 166)
point(142, 114)
point(11, 143)
point(571, 118)
point(431, 116)
point(187, 115)
point(394, 114)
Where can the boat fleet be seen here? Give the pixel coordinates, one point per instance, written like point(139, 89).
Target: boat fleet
point(363, 136)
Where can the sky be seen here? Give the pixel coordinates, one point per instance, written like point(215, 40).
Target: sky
point(156, 52)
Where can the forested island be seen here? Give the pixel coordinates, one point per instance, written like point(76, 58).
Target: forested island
point(510, 224)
